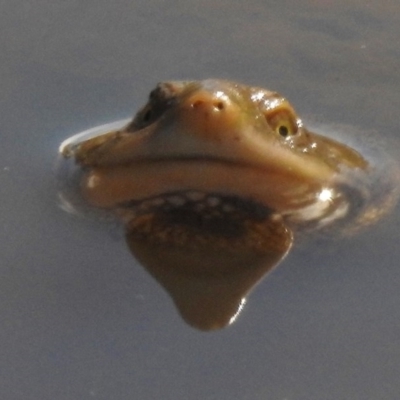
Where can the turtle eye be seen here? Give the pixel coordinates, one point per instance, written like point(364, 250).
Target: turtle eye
point(283, 122)
point(283, 130)
point(161, 99)
point(147, 115)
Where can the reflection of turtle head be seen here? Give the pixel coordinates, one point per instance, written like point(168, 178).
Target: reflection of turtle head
point(208, 261)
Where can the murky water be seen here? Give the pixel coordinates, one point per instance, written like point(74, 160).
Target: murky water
point(79, 318)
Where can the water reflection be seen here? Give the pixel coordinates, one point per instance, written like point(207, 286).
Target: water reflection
point(208, 275)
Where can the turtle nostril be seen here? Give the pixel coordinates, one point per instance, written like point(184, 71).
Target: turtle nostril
point(197, 103)
point(219, 105)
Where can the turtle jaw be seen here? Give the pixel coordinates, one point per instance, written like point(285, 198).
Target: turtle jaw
point(147, 164)
point(106, 187)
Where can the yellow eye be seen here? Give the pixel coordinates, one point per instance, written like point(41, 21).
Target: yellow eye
point(283, 122)
point(283, 130)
